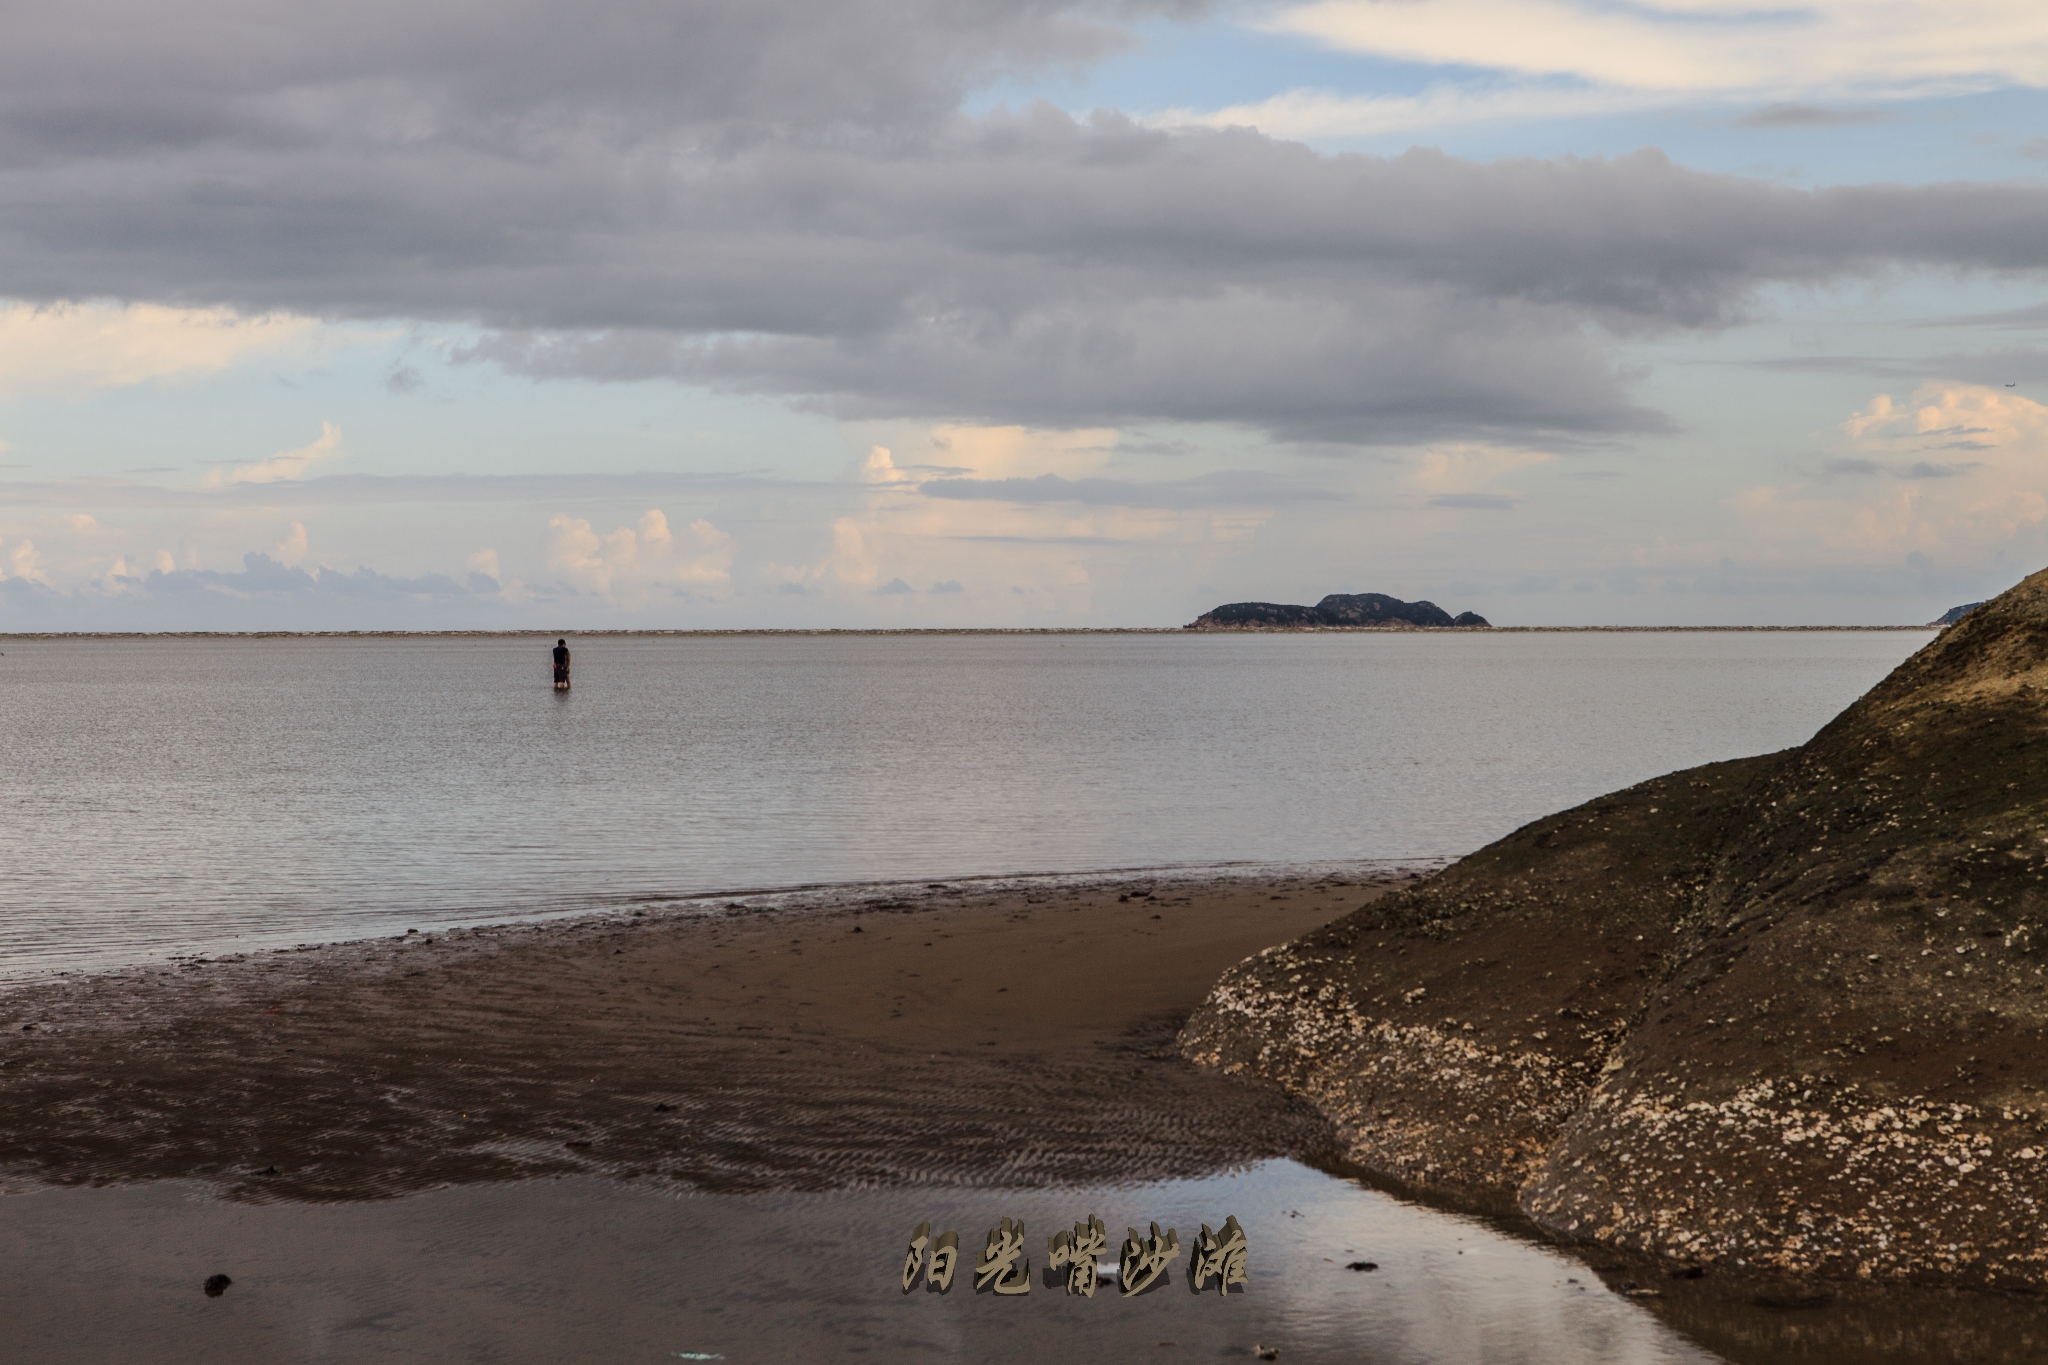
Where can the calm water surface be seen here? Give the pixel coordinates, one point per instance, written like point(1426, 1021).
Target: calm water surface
point(584, 1271)
point(204, 795)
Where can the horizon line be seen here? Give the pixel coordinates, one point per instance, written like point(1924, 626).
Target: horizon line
point(712, 632)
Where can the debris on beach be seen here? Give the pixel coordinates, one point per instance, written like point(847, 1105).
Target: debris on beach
point(216, 1285)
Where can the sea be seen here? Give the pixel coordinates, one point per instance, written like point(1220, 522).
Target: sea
point(178, 795)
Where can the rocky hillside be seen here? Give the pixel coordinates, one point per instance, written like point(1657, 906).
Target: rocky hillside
point(1785, 1012)
point(1338, 610)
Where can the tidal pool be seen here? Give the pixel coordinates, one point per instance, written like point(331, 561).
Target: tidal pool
point(585, 1270)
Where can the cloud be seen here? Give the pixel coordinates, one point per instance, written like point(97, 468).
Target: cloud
point(286, 464)
point(1521, 60)
point(292, 549)
point(263, 576)
point(64, 346)
point(344, 490)
point(1310, 113)
point(878, 466)
point(21, 561)
point(2016, 319)
point(996, 452)
point(1226, 488)
point(633, 564)
point(1944, 510)
point(1704, 47)
point(1035, 504)
point(1364, 300)
point(1468, 476)
point(1786, 115)
point(782, 198)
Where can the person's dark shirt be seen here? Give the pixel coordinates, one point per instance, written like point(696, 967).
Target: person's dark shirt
point(561, 656)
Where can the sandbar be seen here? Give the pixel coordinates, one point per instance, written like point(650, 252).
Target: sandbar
point(1018, 1034)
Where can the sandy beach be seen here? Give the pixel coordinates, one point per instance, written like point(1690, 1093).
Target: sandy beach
point(1013, 1034)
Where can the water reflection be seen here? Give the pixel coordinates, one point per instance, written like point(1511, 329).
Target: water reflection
point(577, 1270)
point(583, 1270)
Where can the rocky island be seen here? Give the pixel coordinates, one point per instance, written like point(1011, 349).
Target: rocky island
point(1338, 611)
point(1783, 1013)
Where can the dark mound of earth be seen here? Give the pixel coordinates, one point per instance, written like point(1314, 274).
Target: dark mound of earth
point(1338, 609)
point(1782, 1013)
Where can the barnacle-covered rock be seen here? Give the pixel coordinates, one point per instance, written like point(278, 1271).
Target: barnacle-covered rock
point(1784, 1012)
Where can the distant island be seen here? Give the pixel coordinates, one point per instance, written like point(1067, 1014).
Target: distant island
point(1339, 609)
point(1955, 614)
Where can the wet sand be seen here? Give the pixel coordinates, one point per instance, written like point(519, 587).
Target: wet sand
point(1012, 1042)
point(1013, 1035)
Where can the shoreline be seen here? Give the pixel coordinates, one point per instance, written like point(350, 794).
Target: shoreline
point(526, 634)
point(801, 898)
point(1015, 1035)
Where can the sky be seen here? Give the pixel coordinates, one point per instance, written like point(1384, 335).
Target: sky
point(943, 313)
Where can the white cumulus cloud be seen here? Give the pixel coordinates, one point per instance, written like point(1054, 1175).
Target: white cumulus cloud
point(1705, 46)
point(1954, 475)
point(286, 464)
point(72, 346)
point(633, 563)
point(1571, 58)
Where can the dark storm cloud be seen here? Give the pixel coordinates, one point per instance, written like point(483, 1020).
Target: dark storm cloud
point(780, 196)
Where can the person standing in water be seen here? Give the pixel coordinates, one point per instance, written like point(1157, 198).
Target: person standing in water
point(561, 665)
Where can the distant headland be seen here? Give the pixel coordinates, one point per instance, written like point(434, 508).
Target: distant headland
point(1955, 614)
point(1353, 611)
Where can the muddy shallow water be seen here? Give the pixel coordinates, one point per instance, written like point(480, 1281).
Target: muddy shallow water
point(581, 1269)
point(578, 1269)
